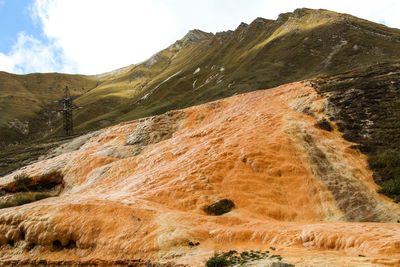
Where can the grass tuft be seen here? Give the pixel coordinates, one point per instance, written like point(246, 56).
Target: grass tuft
point(387, 165)
point(23, 198)
point(217, 261)
point(22, 182)
point(233, 258)
point(391, 188)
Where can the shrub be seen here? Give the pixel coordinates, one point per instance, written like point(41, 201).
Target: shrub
point(387, 164)
point(221, 207)
point(23, 198)
point(233, 258)
point(217, 261)
point(391, 187)
point(22, 182)
point(325, 125)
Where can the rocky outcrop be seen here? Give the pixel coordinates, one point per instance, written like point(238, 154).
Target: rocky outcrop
point(196, 36)
point(154, 130)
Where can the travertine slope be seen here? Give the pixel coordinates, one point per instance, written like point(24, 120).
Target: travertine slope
point(137, 190)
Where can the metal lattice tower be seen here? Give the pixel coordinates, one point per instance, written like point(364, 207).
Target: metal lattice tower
point(67, 107)
point(67, 112)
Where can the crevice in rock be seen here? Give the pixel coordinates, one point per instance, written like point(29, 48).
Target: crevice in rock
point(71, 244)
point(57, 246)
point(22, 235)
point(30, 246)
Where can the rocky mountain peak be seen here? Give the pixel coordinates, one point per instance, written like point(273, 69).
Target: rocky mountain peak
point(308, 15)
point(242, 26)
point(196, 36)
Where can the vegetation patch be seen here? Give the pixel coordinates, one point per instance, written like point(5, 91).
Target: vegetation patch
point(364, 105)
point(324, 125)
point(217, 261)
point(25, 190)
point(233, 258)
point(22, 182)
point(221, 207)
point(387, 164)
point(23, 198)
point(16, 156)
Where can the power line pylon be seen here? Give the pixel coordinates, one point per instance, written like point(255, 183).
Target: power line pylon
point(67, 107)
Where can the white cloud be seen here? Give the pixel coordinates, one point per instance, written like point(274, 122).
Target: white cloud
point(31, 55)
point(103, 35)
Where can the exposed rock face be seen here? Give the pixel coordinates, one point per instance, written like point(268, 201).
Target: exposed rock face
point(296, 187)
point(155, 129)
point(196, 36)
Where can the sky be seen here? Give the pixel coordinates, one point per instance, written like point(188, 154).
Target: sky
point(97, 36)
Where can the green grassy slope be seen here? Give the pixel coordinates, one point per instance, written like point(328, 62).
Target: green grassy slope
point(26, 102)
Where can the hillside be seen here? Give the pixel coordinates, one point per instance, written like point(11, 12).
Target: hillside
point(138, 192)
point(199, 68)
point(26, 102)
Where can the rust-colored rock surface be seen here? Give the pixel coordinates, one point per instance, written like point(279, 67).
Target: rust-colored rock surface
point(127, 197)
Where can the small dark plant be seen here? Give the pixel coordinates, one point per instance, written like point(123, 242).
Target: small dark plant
point(324, 124)
point(221, 207)
point(217, 261)
point(391, 187)
point(387, 166)
point(22, 182)
point(233, 258)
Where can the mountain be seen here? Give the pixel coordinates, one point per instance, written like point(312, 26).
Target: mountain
point(255, 177)
point(200, 67)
